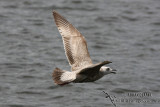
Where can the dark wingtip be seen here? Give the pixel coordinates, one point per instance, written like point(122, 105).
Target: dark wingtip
point(107, 62)
point(54, 12)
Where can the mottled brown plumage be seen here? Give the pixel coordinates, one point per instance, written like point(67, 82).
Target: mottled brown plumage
point(75, 46)
point(74, 43)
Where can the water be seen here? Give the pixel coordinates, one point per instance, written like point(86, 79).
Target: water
point(124, 32)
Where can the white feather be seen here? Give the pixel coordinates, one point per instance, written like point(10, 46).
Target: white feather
point(68, 76)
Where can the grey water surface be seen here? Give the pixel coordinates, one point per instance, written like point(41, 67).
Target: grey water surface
point(126, 32)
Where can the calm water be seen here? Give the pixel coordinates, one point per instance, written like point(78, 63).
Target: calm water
point(122, 31)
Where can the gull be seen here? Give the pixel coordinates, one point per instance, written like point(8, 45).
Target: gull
point(75, 46)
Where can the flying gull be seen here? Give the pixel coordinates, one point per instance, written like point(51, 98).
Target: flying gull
point(75, 46)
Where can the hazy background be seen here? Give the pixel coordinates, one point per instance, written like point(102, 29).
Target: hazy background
point(126, 32)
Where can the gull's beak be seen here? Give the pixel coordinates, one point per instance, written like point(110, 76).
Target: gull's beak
point(113, 71)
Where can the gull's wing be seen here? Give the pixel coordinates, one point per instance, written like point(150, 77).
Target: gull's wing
point(74, 43)
point(93, 69)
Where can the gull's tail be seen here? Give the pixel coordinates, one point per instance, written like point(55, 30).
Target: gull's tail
point(61, 77)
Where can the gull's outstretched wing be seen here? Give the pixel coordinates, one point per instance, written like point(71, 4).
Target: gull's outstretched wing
point(74, 43)
point(93, 69)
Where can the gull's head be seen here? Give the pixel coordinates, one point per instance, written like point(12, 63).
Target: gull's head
point(107, 70)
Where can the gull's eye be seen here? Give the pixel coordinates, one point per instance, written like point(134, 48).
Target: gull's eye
point(107, 69)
